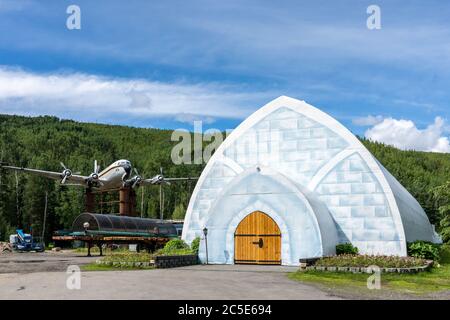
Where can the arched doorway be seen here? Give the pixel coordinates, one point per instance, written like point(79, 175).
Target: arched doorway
point(257, 240)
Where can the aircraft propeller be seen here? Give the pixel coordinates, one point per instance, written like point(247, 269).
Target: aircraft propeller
point(94, 176)
point(159, 179)
point(66, 174)
point(137, 179)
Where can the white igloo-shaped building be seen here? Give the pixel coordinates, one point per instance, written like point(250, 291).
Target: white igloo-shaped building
point(291, 182)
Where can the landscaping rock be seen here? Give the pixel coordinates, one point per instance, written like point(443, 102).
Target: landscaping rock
point(421, 269)
point(175, 261)
point(367, 270)
point(321, 268)
point(5, 247)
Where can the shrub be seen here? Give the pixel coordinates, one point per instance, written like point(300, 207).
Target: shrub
point(445, 254)
point(424, 250)
point(179, 212)
point(346, 248)
point(175, 247)
point(349, 260)
point(195, 245)
point(176, 244)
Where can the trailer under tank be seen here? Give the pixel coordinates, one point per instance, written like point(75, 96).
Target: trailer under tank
point(98, 229)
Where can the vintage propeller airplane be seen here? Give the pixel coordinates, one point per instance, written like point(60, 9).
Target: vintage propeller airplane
point(116, 175)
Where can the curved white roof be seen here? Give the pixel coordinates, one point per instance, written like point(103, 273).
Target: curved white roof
point(368, 205)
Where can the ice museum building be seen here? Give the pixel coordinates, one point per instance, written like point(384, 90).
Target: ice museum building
point(291, 182)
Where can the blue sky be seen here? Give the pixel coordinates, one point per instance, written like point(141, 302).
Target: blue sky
point(167, 63)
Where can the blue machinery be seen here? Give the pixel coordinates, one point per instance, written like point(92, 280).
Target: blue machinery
point(24, 242)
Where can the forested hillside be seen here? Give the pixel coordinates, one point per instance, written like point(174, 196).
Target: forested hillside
point(42, 142)
point(419, 172)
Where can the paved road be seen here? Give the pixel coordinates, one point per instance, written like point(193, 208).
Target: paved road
point(196, 282)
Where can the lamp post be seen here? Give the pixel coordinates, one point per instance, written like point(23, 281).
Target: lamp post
point(86, 227)
point(89, 243)
point(205, 233)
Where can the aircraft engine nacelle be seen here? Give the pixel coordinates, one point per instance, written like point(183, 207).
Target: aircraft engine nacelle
point(66, 174)
point(94, 177)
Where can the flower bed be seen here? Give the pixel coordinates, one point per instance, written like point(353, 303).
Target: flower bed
point(176, 253)
point(127, 259)
point(125, 264)
point(362, 263)
point(348, 260)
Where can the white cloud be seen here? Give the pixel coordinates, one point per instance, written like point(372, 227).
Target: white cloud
point(367, 121)
point(190, 118)
point(404, 134)
point(99, 98)
point(13, 5)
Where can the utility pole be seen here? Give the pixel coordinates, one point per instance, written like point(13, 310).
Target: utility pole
point(17, 201)
point(189, 193)
point(142, 202)
point(161, 203)
point(45, 217)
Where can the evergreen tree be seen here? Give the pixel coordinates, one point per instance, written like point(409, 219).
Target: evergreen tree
point(442, 196)
point(179, 212)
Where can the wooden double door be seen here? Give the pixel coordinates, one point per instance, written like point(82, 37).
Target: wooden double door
point(257, 240)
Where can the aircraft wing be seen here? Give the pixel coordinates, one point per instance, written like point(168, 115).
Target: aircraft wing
point(180, 179)
point(156, 180)
point(74, 179)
